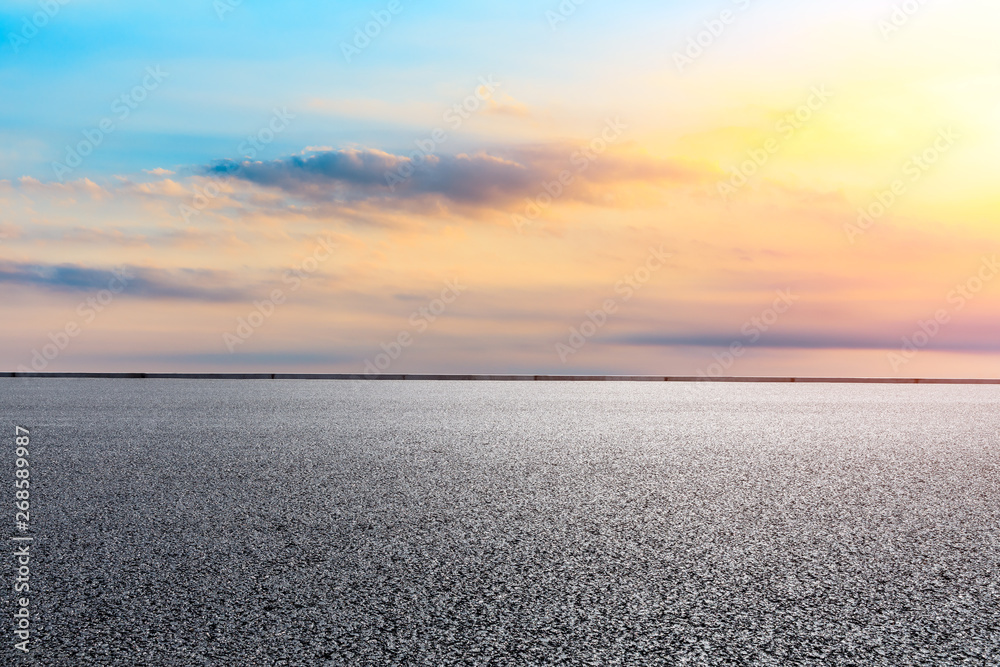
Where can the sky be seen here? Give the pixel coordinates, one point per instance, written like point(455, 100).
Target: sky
point(749, 187)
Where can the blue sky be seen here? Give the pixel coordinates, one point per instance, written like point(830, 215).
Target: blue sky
point(226, 75)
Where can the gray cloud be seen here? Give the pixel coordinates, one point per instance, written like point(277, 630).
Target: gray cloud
point(812, 341)
point(189, 284)
point(478, 180)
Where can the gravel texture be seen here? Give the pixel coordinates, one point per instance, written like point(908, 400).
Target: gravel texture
point(201, 522)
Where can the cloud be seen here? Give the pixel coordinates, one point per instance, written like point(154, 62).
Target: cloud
point(70, 189)
point(187, 284)
point(363, 174)
point(507, 106)
point(809, 341)
point(483, 179)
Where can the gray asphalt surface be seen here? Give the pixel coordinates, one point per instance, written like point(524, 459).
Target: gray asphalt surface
point(449, 523)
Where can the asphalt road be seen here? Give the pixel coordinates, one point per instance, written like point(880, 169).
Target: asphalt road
point(418, 523)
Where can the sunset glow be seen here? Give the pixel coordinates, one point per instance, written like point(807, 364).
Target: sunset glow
point(758, 188)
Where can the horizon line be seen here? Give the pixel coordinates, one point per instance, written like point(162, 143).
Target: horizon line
point(495, 377)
